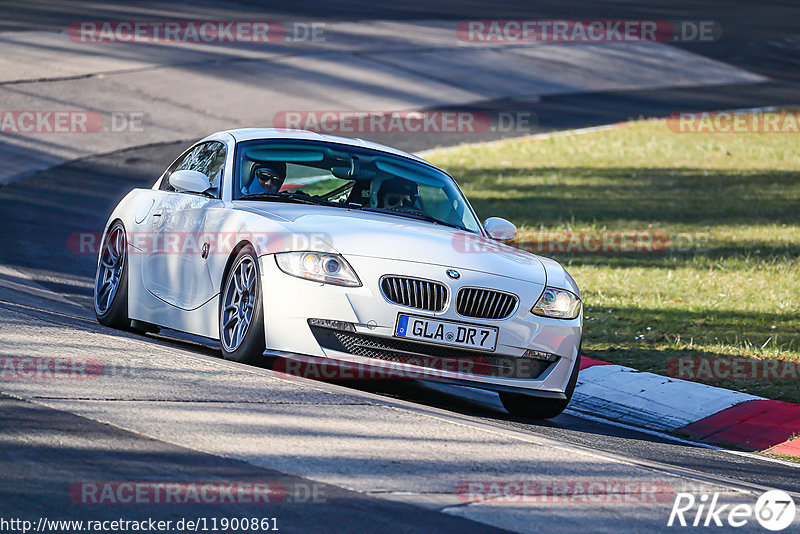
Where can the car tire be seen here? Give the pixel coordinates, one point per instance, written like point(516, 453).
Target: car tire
point(241, 314)
point(533, 407)
point(111, 280)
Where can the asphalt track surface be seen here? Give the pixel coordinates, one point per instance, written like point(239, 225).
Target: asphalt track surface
point(38, 246)
point(39, 215)
point(761, 36)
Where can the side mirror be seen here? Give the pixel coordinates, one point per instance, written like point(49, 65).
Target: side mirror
point(500, 229)
point(189, 181)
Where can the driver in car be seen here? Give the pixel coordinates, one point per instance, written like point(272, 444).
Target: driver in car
point(269, 177)
point(398, 193)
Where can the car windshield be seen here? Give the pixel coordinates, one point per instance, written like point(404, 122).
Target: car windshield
point(340, 175)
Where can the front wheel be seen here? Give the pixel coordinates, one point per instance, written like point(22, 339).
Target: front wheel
point(241, 315)
point(111, 281)
point(532, 407)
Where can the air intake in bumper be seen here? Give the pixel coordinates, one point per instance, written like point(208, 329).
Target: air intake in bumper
point(434, 357)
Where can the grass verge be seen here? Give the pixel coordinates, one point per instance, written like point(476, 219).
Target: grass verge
point(706, 284)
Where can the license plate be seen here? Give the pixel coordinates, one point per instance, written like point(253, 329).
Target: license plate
point(465, 335)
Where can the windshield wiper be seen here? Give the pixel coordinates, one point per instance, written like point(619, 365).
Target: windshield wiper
point(415, 215)
point(286, 196)
point(282, 197)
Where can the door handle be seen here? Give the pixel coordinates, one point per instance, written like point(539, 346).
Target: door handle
point(157, 214)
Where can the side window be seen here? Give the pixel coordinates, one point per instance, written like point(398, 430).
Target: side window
point(181, 163)
point(208, 158)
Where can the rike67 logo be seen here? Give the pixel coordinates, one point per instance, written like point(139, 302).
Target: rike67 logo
point(774, 510)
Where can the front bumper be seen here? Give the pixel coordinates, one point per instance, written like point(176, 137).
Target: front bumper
point(289, 302)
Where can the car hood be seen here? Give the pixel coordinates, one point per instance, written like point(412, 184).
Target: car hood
point(375, 235)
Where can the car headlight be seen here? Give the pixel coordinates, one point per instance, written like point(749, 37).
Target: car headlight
point(317, 266)
point(558, 303)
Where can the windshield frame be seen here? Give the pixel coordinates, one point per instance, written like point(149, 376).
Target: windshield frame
point(356, 150)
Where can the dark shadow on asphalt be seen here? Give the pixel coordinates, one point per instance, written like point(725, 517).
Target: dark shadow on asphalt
point(40, 479)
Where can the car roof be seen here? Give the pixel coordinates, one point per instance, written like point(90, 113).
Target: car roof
point(250, 134)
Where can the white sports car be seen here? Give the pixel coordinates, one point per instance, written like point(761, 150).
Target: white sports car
point(315, 248)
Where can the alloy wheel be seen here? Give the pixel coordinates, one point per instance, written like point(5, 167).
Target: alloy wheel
point(238, 303)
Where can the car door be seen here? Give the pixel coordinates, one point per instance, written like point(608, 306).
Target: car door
point(175, 268)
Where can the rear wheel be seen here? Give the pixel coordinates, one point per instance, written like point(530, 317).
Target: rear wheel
point(111, 281)
point(241, 315)
point(532, 407)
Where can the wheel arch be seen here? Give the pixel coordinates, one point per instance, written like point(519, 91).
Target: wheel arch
point(229, 263)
